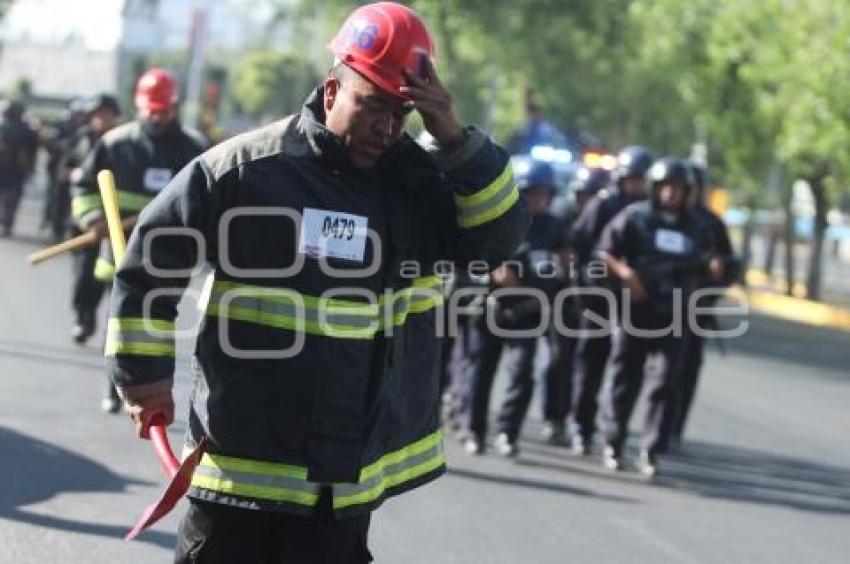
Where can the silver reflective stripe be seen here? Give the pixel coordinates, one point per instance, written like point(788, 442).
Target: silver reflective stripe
point(491, 202)
point(135, 337)
point(373, 483)
point(258, 480)
point(291, 311)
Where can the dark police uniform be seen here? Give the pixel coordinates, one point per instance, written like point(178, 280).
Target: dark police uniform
point(545, 237)
point(592, 352)
point(692, 357)
point(666, 252)
point(18, 148)
point(352, 417)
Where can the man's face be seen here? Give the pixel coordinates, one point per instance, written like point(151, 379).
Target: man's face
point(538, 198)
point(158, 120)
point(672, 196)
point(634, 186)
point(366, 119)
point(102, 120)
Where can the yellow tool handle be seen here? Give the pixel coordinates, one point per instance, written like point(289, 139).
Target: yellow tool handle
point(106, 182)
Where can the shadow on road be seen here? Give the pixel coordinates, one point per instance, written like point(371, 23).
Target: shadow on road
point(719, 471)
point(34, 471)
point(554, 487)
point(794, 343)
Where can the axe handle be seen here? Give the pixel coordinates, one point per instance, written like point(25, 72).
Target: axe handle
point(74, 243)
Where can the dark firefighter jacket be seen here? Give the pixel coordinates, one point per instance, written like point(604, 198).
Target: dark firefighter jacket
point(314, 257)
point(142, 164)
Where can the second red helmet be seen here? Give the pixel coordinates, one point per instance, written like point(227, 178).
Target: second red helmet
point(157, 90)
point(380, 41)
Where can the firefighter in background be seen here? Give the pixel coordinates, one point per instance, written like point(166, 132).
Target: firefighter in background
point(533, 266)
point(594, 343)
point(18, 150)
point(558, 375)
point(144, 155)
point(721, 246)
point(656, 249)
point(101, 114)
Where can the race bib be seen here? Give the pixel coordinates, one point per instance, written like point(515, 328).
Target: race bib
point(156, 179)
point(333, 234)
point(670, 241)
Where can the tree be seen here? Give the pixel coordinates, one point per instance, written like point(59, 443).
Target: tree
point(269, 85)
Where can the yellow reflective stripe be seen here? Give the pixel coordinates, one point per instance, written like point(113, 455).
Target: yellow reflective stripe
point(139, 324)
point(282, 295)
point(491, 213)
point(486, 193)
point(401, 454)
point(254, 466)
point(269, 493)
point(143, 349)
point(278, 321)
point(135, 335)
point(133, 201)
point(394, 478)
point(104, 270)
point(84, 203)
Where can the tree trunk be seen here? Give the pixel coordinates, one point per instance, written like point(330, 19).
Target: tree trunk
point(790, 263)
point(813, 291)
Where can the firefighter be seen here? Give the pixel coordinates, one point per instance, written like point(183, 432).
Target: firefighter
point(656, 250)
point(594, 343)
point(533, 266)
point(102, 112)
point(317, 368)
point(18, 148)
point(143, 154)
point(721, 246)
point(558, 375)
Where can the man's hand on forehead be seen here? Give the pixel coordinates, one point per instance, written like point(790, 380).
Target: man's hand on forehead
point(427, 95)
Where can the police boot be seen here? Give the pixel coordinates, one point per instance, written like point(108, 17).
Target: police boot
point(554, 433)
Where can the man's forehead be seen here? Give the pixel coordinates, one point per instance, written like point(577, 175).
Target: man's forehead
point(368, 89)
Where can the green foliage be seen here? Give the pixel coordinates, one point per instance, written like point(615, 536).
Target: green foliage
point(270, 84)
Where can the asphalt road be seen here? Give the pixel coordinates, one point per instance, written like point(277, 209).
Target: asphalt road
point(764, 477)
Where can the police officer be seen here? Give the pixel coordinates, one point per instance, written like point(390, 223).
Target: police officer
point(317, 375)
point(102, 112)
point(594, 339)
point(721, 247)
point(144, 155)
point(18, 148)
point(655, 249)
point(60, 143)
point(558, 375)
point(533, 267)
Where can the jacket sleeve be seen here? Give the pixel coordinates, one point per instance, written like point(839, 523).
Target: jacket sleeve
point(170, 242)
point(86, 207)
point(484, 218)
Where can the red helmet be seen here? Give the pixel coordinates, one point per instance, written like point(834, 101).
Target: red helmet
point(380, 40)
point(157, 90)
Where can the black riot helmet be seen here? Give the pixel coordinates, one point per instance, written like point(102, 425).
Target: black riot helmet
point(589, 181)
point(633, 162)
point(102, 101)
point(668, 170)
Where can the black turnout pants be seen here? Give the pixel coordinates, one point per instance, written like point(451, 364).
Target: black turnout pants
point(212, 533)
point(87, 290)
point(629, 357)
